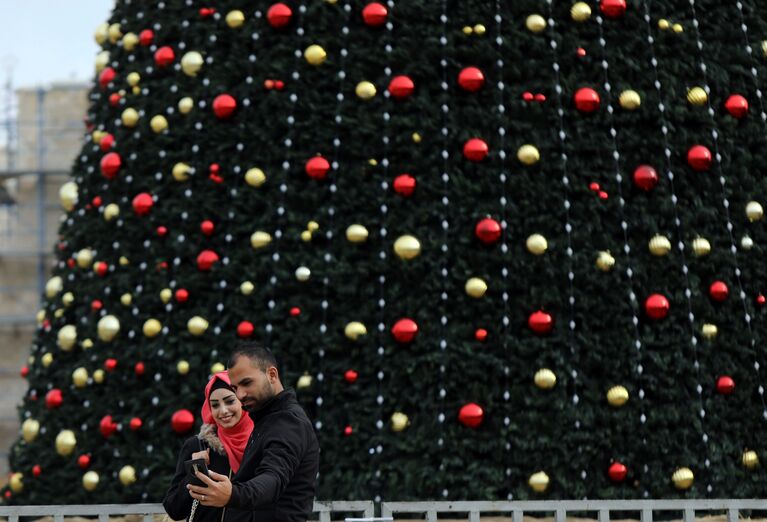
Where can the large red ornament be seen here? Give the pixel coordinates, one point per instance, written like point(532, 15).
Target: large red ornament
point(699, 158)
point(224, 106)
point(84, 461)
point(488, 230)
point(207, 227)
point(279, 15)
point(295, 311)
point(24, 371)
point(480, 334)
point(110, 165)
point(135, 424)
point(317, 167)
point(107, 426)
point(760, 300)
point(182, 295)
point(737, 106)
point(245, 329)
point(718, 291)
point(404, 185)
point(475, 150)
point(102, 268)
point(146, 37)
point(348, 431)
point(586, 100)
point(617, 472)
point(656, 306)
point(96, 305)
point(142, 204)
point(471, 415)
point(404, 330)
point(645, 177)
point(613, 8)
point(36, 470)
point(401, 87)
point(110, 364)
point(350, 376)
point(106, 76)
point(471, 79)
point(107, 142)
point(540, 322)
point(53, 399)
point(164, 56)
point(374, 14)
point(182, 421)
point(725, 385)
point(206, 260)
point(162, 231)
point(139, 368)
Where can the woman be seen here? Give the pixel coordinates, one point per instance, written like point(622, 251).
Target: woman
point(221, 442)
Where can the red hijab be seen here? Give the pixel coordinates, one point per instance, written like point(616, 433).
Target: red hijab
point(235, 438)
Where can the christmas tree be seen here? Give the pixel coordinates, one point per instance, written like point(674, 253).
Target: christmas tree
point(502, 249)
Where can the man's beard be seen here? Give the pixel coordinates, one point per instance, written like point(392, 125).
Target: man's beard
point(255, 404)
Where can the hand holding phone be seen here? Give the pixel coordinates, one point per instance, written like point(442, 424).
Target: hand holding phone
point(192, 466)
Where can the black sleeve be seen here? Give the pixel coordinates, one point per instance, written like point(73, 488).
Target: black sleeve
point(177, 502)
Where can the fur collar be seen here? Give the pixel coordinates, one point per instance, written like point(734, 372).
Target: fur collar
point(208, 434)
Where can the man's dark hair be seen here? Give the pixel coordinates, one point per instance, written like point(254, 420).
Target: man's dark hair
point(257, 353)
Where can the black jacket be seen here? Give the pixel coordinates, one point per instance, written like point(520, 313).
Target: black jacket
point(278, 473)
point(178, 503)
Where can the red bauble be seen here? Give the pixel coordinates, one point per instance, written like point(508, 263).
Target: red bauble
point(96, 202)
point(645, 177)
point(182, 421)
point(135, 424)
point(53, 399)
point(528, 96)
point(699, 158)
point(102, 268)
point(107, 426)
point(317, 167)
point(718, 291)
point(471, 79)
point(36, 470)
point(84, 461)
point(488, 230)
point(245, 329)
point(24, 371)
point(404, 330)
point(656, 306)
point(96, 305)
point(350, 376)
point(480, 334)
point(107, 142)
point(540, 322)
point(295, 311)
point(106, 76)
point(71, 263)
point(162, 231)
point(224, 106)
point(471, 415)
point(164, 56)
point(139, 368)
point(110, 165)
point(279, 15)
point(586, 100)
point(760, 300)
point(401, 87)
point(737, 106)
point(475, 150)
point(617, 472)
point(725, 385)
point(581, 52)
point(207, 227)
point(540, 97)
point(146, 37)
point(206, 260)
point(374, 14)
point(142, 204)
point(348, 431)
point(114, 99)
point(404, 185)
point(182, 295)
point(613, 8)
point(110, 364)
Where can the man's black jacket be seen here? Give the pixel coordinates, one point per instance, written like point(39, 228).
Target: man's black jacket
point(278, 473)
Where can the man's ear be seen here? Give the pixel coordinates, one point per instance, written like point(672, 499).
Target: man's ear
point(274, 375)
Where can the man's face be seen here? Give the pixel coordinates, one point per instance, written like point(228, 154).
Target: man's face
point(253, 386)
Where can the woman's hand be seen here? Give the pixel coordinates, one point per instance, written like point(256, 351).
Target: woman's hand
point(202, 455)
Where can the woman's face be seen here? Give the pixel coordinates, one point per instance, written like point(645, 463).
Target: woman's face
point(225, 407)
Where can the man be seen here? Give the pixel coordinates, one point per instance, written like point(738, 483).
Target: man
point(277, 476)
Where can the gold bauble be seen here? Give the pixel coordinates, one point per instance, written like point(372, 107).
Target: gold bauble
point(528, 154)
point(16, 482)
point(416, 137)
point(182, 367)
point(127, 475)
point(68, 195)
point(235, 18)
point(399, 421)
point(59, 313)
point(246, 288)
point(158, 123)
point(605, 261)
point(580, 12)
point(697, 96)
point(102, 60)
point(306, 236)
point(54, 285)
point(185, 105)
point(46, 360)
point(663, 24)
point(764, 48)
point(255, 177)
point(260, 239)
point(750, 459)
point(111, 211)
point(197, 325)
point(108, 328)
point(678, 28)
point(165, 295)
point(130, 41)
point(630, 100)
point(365, 90)
point(545, 379)
point(701, 246)
point(659, 245)
point(536, 244)
point(539, 482)
point(68, 298)
point(123, 261)
point(217, 368)
point(617, 396)
point(90, 480)
point(98, 376)
point(181, 171)
point(312, 226)
point(136, 90)
point(476, 287)
point(101, 33)
point(480, 29)
point(746, 243)
point(357, 233)
point(115, 33)
point(709, 330)
point(67, 337)
point(467, 30)
point(152, 327)
point(407, 247)
point(87, 344)
point(40, 316)
point(191, 63)
point(315, 54)
point(65, 442)
point(133, 78)
point(30, 428)
point(303, 273)
point(126, 299)
point(354, 330)
point(683, 478)
point(84, 258)
point(80, 377)
point(535, 23)
point(304, 382)
point(754, 211)
point(129, 117)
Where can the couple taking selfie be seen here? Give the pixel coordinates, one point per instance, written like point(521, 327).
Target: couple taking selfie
point(256, 457)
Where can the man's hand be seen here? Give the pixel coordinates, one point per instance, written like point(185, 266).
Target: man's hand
point(216, 493)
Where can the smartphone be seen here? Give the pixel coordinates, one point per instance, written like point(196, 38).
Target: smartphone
point(192, 466)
